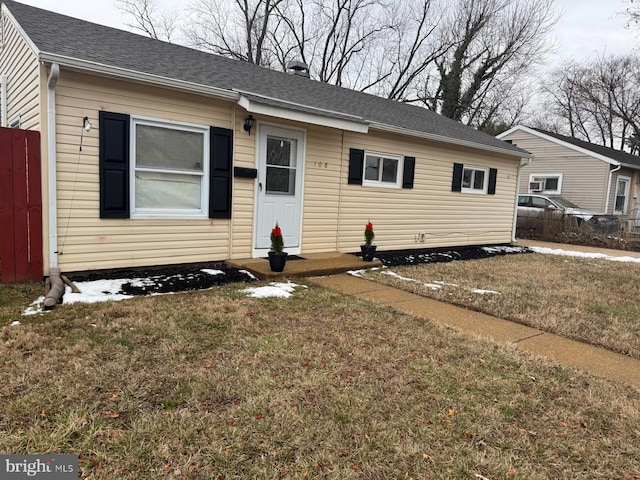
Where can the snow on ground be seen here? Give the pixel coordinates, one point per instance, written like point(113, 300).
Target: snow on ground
point(121, 288)
point(274, 289)
point(573, 253)
point(435, 285)
point(115, 289)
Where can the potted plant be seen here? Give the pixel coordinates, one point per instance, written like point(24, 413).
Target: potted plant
point(368, 250)
point(277, 258)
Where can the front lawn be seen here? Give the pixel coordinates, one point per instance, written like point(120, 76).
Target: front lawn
point(589, 300)
point(213, 384)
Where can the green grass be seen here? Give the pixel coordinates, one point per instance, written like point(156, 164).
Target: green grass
point(214, 385)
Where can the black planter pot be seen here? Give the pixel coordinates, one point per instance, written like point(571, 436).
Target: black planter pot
point(277, 261)
point(368, 251)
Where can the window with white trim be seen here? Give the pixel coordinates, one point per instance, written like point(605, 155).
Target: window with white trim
point(623, 185)
point(548, 183)
point(382, 170)
point(169, 168)
point(474, 179)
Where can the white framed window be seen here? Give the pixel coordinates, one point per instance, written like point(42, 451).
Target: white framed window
point(169, 168)
point(382, 170)
point(475, 179)
point(547, 183)
point(623, 185)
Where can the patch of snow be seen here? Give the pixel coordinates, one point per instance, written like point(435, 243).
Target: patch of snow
point(445, 284)
point(504, 249)
point(399, 277)
point(357, 273)
point(35, 307)
point(15, 323)
point(99, 290)
point(249, 274)
point(573, 253)
point(141, 282)
point(212, 272)
point(274, 289)
point(483, 292)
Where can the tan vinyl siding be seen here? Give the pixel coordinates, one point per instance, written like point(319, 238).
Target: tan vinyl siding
point(321, 189)
point(243, 189)
point(87, 242)
point(631, 202)
point(20, 64)
point(585, 178)
point(430, 210)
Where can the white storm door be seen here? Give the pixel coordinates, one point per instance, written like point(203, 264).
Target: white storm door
point(280, 174)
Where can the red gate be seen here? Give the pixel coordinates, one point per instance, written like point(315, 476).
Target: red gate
point(20, 206)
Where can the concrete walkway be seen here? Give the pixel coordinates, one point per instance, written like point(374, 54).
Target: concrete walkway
point(593, 360)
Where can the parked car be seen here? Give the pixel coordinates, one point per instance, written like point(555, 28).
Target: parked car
point(533, 209)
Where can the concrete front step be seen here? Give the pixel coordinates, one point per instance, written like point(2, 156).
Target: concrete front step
point(310, 265)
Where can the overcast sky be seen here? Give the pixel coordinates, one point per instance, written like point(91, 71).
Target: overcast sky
point(586, 27)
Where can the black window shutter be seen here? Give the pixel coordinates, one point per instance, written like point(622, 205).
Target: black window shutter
point(220, 172)
point(114, 165)
point(408, 172)
point(356, 165)
point(493, 176)
point(456, 183)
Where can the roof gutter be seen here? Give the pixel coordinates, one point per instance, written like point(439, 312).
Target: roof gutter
point(52, 81)
point(137, 76)
point(606, 204)
point(454, 141)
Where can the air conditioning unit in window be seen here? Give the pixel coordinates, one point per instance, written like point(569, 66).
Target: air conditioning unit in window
point(536, 186)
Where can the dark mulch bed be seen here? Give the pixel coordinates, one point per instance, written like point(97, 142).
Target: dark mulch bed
point(396, 258)
point(169, 278)
point(181, 278)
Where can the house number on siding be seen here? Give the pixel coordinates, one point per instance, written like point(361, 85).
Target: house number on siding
point(421, 237)
point(321, 164)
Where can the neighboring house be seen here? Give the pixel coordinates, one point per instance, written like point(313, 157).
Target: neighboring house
point(594, 177)
point(173, 171)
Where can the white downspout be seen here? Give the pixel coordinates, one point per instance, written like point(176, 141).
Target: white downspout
point(606, 204)
point(515, 208)
point(3, 100)
point(52, 161)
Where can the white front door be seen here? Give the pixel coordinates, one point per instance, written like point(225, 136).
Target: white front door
point(280, 174)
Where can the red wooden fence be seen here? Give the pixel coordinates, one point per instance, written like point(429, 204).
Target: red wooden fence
point(20, 206)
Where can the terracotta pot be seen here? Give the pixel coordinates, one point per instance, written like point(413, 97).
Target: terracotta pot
point(368, 251)
point(277, 261)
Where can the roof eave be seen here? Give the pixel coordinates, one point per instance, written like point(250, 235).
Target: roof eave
point(302, 113)
point(453, 141)
point(136, 76)
point(557, 141)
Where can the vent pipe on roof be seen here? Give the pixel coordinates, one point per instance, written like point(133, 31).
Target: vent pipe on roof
point(296, 67)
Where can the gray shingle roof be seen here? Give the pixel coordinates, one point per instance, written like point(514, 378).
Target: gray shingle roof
point(74, 39)
point(625, 158)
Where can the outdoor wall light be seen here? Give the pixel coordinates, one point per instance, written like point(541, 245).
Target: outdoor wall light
point(249, 122)
point(86, 124)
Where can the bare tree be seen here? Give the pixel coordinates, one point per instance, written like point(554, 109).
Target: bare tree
point(598, 101)
point(147, 17)
point(462, 58)
point(489, 42)
point(238, 29)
